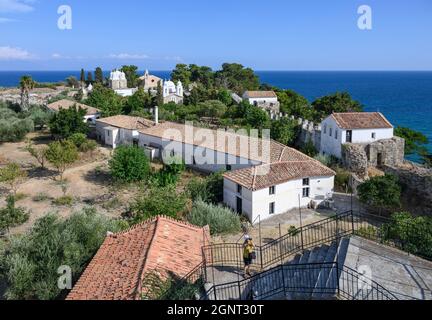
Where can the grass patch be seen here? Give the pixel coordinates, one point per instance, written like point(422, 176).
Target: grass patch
point(114, 203)
point(40, 197)
point(20, 196)
point(65, 201)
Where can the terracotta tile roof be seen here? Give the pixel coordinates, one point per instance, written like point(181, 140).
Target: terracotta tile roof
point(361, 120)
point(260, 94)
point(242, 143)
point(265, 176)
point(66, 104)
point(161, 245)
point(127, 122)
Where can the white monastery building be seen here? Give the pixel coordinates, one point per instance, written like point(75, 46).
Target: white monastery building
point(267, 100)
point(271, 181)
point(172, 92)
point(359, 127)
point(118, 83)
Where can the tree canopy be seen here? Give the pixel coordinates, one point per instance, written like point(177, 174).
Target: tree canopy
point(382, 192)
point(131, 75)
point(415, 141)
point(284, 131)
point(106, 100)
point(129, 164)
point(338, 102)
point(69, 121)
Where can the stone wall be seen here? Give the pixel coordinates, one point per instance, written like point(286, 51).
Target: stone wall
point(416, 181)
point(355, 159)
point(388, 152)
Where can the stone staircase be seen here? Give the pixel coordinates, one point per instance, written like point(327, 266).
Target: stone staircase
point(310, 275)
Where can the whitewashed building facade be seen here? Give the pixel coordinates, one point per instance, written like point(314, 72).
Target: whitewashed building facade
point(357, 128)
point(273, 180)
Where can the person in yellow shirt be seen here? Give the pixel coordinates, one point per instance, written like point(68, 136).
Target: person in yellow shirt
point(248, 251)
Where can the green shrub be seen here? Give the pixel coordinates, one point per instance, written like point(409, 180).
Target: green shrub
point(170, 173)
point(114, 203)
point(129, 164)
point(66, 201)
point(342, 179)
point(413, 233)
point(381, 192)
point(88, 146)
point(220, 219)
point(293, 231)
point(209, 190)
point(158, 201)
point(31, 261)
point(309, 149)
point(40, 197)
point(78, 139)
point(11, 216)
point(324, 159)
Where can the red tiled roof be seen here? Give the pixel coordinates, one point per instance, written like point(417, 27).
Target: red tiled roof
point(361, 120)
point(161, 245)
point(260, 94)
point(66, 104)
point(127, 122)
point(265, 176)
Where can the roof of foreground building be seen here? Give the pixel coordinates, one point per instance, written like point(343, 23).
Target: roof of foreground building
point(66, 104)
point(361, 120)
point(162, 245)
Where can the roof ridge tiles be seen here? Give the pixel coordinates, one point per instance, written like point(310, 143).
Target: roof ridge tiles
point(155, 219)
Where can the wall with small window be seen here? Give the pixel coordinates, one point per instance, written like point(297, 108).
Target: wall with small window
point(286, 196)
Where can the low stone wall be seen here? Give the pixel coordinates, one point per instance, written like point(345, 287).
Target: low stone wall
point(417, 183)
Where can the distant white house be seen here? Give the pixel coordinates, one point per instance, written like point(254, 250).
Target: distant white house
point(120, 130)
point(289, 179)
point(118, 83)
point(267, 100)
point(359, 128)
point(172, 92)
point(92, 114)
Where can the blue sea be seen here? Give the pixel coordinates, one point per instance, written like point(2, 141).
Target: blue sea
point(404, 97)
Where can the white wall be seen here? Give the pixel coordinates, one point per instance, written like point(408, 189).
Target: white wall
point(263, 100)
point(365, 135)
point(329, 144)
point(332, 146)
point(217, 161)
point(286, 197)
point(116, 137)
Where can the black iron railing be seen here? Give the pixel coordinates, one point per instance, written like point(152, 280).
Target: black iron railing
point(296, 241)
point(303, 281)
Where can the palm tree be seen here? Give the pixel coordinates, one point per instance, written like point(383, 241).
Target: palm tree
point(26, 85)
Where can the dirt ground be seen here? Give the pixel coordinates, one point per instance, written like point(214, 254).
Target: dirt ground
point(88, 183)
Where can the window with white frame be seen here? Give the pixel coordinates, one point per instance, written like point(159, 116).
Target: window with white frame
point(373, 135)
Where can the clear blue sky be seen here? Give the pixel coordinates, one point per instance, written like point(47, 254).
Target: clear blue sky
point(262, 34)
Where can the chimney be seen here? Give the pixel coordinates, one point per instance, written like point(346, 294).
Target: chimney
point(156, 114)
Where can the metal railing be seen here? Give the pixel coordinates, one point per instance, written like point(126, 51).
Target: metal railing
point(303, 281)
point(294, 242)
point(277, 251)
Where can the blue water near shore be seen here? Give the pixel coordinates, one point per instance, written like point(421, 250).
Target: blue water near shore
point(404, 97)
